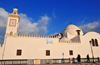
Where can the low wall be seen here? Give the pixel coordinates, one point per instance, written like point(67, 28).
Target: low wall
point(44, 61)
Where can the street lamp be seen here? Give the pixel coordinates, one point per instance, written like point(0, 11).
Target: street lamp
point(92, 52)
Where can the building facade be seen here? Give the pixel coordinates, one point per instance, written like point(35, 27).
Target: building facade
point(67, 44)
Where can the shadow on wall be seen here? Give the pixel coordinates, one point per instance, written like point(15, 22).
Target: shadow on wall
point(76, 38)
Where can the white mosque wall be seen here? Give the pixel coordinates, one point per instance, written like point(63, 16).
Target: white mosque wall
point(35, 47)
point(88, 37)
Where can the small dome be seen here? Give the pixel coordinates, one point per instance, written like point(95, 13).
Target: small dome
point(71, 27)
point(72, 30)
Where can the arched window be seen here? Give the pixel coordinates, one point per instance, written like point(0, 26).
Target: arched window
point(14, 12)
point(11, 33)
point(96, 42)
point(78, 32)
point(93, 42)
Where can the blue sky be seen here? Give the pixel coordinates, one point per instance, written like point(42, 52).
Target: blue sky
point(47, 17)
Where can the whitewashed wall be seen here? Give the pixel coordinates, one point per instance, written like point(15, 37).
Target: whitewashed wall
point(1, 51)
point(35, 48)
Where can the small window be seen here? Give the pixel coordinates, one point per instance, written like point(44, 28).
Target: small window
point(19, 52)
point(47, 52)
point(96, 42)
point(14, 12)
point(11, 33)
point(78, 32)
point(70, 52)
point(93, 42)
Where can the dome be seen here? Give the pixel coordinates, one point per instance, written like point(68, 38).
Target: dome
point(71, 27)
point(72, 30)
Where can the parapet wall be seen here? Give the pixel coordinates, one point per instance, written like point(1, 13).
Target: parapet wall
point(41, 36)
point(28, 35)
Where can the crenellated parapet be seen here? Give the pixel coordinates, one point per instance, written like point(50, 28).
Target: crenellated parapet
point(63, 40)
point(34, 36)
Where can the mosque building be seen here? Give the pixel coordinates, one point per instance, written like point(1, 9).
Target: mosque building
point(67, 44)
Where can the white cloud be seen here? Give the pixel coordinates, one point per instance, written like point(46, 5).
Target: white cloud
point(3, 17)
point(3, 23)
point(3, 20)
point(1, 36)
point(95, 26)
point(26, 27)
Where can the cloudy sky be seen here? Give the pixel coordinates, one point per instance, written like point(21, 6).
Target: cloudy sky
point(48, 17)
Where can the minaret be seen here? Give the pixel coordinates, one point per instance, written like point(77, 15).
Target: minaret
point(13, 23)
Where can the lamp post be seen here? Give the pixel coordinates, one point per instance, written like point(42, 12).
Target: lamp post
point(92, 51)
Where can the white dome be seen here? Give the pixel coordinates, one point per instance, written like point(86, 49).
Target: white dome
point(72, 30)
point(72, 27)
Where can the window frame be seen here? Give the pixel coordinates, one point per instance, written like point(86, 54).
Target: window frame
point(47, 52)
point(70, 52)
point(19, 52)
point(78, 32)
point(96, 42)
point(93, 44)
